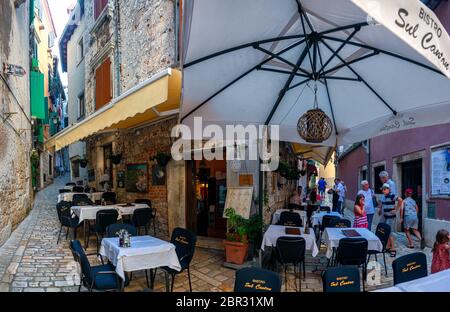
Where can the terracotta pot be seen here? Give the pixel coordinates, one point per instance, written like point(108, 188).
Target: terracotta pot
point(235, 252)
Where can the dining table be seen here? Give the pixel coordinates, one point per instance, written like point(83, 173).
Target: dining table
point(145, 253)
point(94, 196)
point(436, 282)
point(317, 217)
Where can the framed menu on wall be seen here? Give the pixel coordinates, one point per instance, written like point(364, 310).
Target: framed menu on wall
point(440, 171)
point(240, 199)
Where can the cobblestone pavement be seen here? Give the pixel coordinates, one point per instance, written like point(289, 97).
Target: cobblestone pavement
point(32, 261)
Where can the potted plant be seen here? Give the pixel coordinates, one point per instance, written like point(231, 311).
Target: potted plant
point(241, 233)
point(83, 162)
point(161, 158)
point(116, 158)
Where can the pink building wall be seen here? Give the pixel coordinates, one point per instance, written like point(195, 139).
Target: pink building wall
point(348, 170)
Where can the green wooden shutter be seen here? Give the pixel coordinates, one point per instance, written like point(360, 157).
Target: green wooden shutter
point(37, 95)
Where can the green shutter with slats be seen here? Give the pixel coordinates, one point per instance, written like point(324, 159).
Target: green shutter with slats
point(37, 95)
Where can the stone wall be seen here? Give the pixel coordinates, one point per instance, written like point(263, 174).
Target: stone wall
point(15, 145)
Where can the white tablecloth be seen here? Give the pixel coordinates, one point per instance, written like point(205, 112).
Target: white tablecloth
point(437, 282)
point(274, 231)
point(332, 236)
point(90, 212)
point(69, 196)
point(146, 252)
point(316, 218)
point(277, 213)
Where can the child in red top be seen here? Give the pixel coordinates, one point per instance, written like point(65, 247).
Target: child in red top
point(441, 248)
point(360, 213)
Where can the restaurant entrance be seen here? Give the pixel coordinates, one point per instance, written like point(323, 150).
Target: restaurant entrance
point(205, 198)
point(412, 178)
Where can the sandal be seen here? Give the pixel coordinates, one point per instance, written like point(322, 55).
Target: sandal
point(393, 253)
point(410, 247)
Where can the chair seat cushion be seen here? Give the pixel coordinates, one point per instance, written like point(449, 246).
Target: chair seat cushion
point(104, 281)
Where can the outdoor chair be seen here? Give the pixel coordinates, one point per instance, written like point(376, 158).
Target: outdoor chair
point(80, 196)
point(325, 208)
point(78, 189)
point(141, 218)
point(100, 277)
point(109, 198)
point(341, 279)
point(80, 182)
point(89, 189)
point(64, 191)
point(103, 219)
point(184, 241)
point(353, 251)
point(256, 280)
point(383, 231)
point(343, 223)
point(327, 221)
point(291, 251)
point(288, 218)
point(66, 220)
point(149, 204)
point(294, 207)
point(409, 267)
point(113, 229)
point(71, 184)
point(82, 201)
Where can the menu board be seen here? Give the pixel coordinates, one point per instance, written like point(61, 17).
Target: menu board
point(440, 172)
point(240, 199)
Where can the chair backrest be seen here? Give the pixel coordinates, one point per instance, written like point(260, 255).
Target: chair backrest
point(109, 197)
point(383, 231)
point(112, 229)
point(341, 279)
point(325, 208)
point(291, 250)
point(142, 216)
point(89, 189)
point(71, 184)
point(294, 207)
point(78, 189)
point(82, 201)
point(409, 267)
point(343, 223)
point(256, 280)
point(80, 196)
point(146, 201)
point(80, 256)
point(289, 218)
point(352, 251)
point(63, 210)
point(184, 241)
point(64, 191)
point(104, 218)
point(328, 221)
point(80, 182)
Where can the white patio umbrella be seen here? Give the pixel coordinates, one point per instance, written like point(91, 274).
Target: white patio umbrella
point(378, 66)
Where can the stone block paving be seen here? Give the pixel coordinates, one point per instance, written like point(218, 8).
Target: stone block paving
point(32, 261)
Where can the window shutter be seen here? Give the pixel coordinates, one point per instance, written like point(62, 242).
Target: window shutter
point(103, 84)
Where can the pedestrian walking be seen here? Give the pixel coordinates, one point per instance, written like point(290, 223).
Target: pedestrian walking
point(390, 204)
point(408, 215)
point(384, 178)
point(322, 185)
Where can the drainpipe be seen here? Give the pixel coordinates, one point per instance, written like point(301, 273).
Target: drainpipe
point(369, 164)
point(117, 55)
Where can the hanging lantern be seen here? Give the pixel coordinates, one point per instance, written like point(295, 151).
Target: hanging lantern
point(314, 126)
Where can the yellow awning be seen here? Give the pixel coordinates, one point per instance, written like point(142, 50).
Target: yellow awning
point(150, 100)
point(321, 154)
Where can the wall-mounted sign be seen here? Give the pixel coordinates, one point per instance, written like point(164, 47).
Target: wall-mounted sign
point(440, 174)
point(14, 70)
point(240, 199)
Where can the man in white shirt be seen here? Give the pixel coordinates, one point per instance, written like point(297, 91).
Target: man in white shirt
point(368, 194)
point(340, 190)
point(384, 178)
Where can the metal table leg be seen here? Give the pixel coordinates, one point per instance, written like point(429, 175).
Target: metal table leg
point(167, 281)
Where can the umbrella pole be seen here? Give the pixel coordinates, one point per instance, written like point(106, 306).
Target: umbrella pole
point(260, 191)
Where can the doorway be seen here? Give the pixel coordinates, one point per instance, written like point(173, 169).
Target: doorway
point(206, 188)
point(412, 178)
point(107, 163)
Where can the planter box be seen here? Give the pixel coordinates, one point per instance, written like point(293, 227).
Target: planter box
point(235, 252)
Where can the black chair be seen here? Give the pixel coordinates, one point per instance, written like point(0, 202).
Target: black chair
point(256, 280)
point(327, 221)
point(79, 196)
point(64, 191)
point(353, 251)
point(109, 198)
point(71, 184)
point(409, 267)
point(343, 223)
point(288, 218)
point(383, 231)
point(148, 202)
point(82, 201)
point(325, 208)
point(341, 279)
point(66, 220)
point(184, 241)
point(103, 219)
point(78, 189)
point(80, 182)
point(294, 207)
point(100, 277)
point(112, 229)
point(89, 189)
point(141, 218)
point(291, 251)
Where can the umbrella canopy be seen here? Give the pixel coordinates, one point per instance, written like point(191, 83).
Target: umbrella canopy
point(265, 62)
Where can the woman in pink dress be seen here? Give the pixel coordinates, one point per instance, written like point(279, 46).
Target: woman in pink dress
point(441, 248)
point(360, 213)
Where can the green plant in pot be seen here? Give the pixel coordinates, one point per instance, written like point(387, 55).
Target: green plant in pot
point(240, 232)
point(161, 158)
point(83, 162)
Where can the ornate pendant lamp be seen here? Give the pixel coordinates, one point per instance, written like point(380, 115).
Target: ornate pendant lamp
point(314, 126)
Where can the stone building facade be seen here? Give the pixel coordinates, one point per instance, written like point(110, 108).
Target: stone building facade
point(15, 134)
